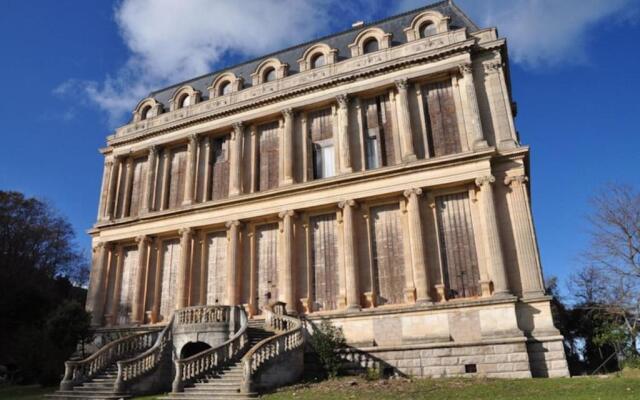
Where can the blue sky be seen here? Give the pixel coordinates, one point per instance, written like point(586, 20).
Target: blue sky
point(72, 70)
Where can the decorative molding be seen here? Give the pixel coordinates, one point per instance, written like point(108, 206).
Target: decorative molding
point(417, 191)
point(515, 180)
point(402, 84)
point(485, 180)
point(343, 100)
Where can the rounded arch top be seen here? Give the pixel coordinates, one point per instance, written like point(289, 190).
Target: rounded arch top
point(225, 83)
point(429, 22)
point(311, 54)
point(358, 46)
point(184, 97)
point(147, 108)
point(267, 69)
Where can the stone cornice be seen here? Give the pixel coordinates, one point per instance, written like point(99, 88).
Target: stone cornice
point(417, 52)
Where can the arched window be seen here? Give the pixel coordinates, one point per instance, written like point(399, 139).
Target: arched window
point(317, 61)
point(185, 101)
point(428, 29)
point(225, 88)
point(370, 46)
point(144, 114)
point(269, 75)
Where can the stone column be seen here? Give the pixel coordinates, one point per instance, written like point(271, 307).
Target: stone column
point(147, 202)
point(420, 272)
point(183, 268)
point(115, 299)
point(157, 287)
point(128, 185)
point(232, 261)
point(104, 189)
point(343, 134)
point(95, 294)
point(192, 153)
point(253, 272)
point(404, 121)
point(288, 295)
point(501, 112)
point(235, 159)
point(206, 187)
point(113, 187)
point(287, 162)
point(473, 123)
point(137, 314)
point(350, 255)
point(164, 193)
point(525, 236)
point(496, 267)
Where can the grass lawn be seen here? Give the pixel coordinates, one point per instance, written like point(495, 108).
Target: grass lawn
point(30, 392)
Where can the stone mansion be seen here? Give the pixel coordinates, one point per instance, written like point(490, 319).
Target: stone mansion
point(373, 177)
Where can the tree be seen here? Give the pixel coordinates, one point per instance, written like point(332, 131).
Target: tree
point(326, 340)
point(608, 286)
point(40, 268)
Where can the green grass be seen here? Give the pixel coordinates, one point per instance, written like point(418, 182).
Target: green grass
point(30, 392)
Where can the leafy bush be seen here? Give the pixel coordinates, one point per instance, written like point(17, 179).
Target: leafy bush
point(326, 341)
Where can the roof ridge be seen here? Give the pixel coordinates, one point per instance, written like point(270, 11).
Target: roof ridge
point(314, 40)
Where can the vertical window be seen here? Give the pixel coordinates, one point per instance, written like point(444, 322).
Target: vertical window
point(428, 29)
point(225, 88)
point(317, 61)
point(321, 138)
point(185, 101)
point(268, 157)
point(220, 168)
point(378, 133)
point(145, 113)
point(387, 252)
point(324, 262)
point(370, 46)
point(443, 136)
point(270, 75)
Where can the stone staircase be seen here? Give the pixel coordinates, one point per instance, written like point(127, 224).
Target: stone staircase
point(225, 383)
point(99, 387)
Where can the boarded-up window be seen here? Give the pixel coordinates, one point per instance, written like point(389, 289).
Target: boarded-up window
point(269, 160)
point(378, 132)
point(324, 261)
point(170, 260)
point(267, 262)
point(220, 168)
point(442, 125)
point(128, 284)
point(177, 176)
point(458, 251)
point(387, 254)
point(321, 136)
point(217, 267)
point(137, 188)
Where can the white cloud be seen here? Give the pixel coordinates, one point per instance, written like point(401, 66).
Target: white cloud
point(541, 33)
point(170, 40)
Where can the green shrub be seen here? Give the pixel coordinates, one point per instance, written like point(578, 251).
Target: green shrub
point(326, 341)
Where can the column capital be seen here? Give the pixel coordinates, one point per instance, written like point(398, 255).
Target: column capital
point(512, 181)
point(492, 66)
point(343, 100)
point(193, 137)
point(129, 161)
point(465, 69)
point(185, 231)
point(413, 191)
point(402, 84)
point(108, 162)
point(288, 112)
point(238, 129)
point(347, 203)
point(234, 223)
point(485, 180)
point(166, 153)
point(99, 246)
point(287, 213)
point(143, 239)
point(153, 150)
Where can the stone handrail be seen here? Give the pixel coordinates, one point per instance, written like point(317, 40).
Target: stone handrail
point(211, 359)
point(202, 315)
point(77, 372)
point(136, 367)
point(289, 337)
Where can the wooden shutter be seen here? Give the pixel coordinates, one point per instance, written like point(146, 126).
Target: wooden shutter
point(321, 135)
point(379, 130)
point(442, 125)
point(267, 261)
point(178, 171)
point(320, 125)
point(170, 260)
point(388, 254)
point(128, 284)
point(458, 251)
point(220, 175)
point(137, 186)
point(324, 261)
point(269, 158)
point(216, 268)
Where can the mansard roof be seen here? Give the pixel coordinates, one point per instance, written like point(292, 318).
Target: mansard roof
point(394, 25)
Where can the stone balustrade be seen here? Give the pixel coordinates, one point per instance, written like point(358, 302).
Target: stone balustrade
point(202, 315)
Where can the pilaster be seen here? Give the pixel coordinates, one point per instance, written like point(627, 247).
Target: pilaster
point(350, 255)
point(186, 235)
point(287, 154)
point(343, 134)
point(235, 159)
point(147, 199)
point(471, 111)
point(137, 314)
point(404, 121)
point(420, 273)
point(192, 152)
point(287, 281)
point(233, 252)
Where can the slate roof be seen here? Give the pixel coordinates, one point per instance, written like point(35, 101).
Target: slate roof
point(340, 41)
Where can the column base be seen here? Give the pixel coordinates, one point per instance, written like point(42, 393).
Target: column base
point(346, 170)
point(502, 295)
point(480, 144)
point(187, 202)
point(410, 158)
point(424, 302)
point(353, 308)
point(286, 182)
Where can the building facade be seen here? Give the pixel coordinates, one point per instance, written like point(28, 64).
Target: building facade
point(373, 177)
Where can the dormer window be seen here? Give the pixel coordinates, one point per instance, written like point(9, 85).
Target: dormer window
point(185, 101)
point(370, 46)
point(269, 75)
point(317, 61)
point(428, 29)
point(225, 88)
point(144, 114)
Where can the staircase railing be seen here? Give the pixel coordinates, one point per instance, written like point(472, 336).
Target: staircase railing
point(138, 366)
point(80, 371)
point(214, 358)
point(289, 337)
point(202, 315)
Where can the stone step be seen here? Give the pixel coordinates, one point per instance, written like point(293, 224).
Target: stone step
point(210, 396)
point(72, 395)
point(203, 387)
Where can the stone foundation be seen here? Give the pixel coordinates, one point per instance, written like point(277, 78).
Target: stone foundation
point(547, 357)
